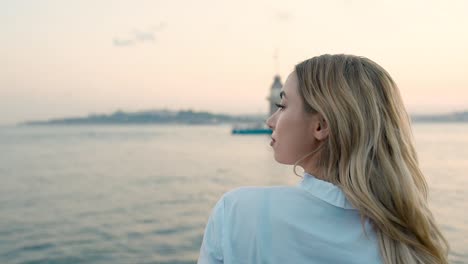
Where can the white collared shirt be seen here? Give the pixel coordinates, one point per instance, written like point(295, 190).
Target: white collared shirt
point(311, 223)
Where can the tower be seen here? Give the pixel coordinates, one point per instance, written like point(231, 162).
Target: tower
point(275, 93)
point(276, 87)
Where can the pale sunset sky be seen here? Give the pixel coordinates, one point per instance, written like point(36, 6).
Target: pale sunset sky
point(72, 58)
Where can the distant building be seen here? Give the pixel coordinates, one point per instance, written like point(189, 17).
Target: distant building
point(275, 94)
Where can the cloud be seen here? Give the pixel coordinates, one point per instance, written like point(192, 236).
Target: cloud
point(143, 36)
point(139, 36)
point(123, 42)
point(283, 16)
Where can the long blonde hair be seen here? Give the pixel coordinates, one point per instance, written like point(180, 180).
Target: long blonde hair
point(370, 154)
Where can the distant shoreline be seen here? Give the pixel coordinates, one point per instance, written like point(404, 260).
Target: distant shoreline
point(189, 117)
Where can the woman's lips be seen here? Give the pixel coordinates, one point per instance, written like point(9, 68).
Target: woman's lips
point(272, 141)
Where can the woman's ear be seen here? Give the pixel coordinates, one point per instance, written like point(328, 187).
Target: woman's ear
point(320, 127)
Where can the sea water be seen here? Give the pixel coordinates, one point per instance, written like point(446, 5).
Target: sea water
point(143, 194)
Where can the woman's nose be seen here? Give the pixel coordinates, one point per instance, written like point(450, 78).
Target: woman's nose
point(269, 122)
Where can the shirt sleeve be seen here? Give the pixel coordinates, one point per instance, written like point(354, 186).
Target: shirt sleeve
point(211, 249)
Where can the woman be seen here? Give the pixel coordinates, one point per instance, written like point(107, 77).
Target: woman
point(363, 197)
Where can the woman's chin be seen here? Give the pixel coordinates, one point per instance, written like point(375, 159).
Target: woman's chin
point(283, 160)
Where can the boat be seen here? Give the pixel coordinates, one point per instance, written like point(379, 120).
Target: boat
point(251, 128)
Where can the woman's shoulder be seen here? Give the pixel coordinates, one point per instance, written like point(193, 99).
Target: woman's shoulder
point(251, 198)
point(249, 192)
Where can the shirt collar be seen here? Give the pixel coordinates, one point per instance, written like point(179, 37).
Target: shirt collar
point(325, 191)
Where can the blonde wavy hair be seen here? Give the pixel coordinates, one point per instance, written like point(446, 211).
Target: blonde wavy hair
point(370, 154)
